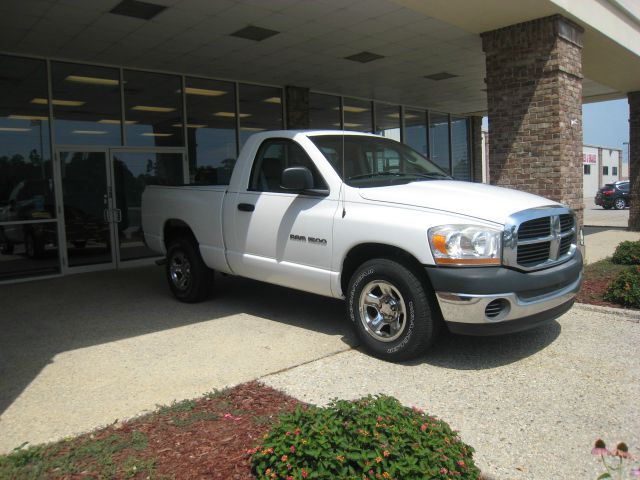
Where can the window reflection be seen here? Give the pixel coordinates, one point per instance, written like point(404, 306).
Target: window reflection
point(211, 130)
point(324, 112)
point(439, 136)
point(460, 148)
point(357, 115)
point(86, 104)
point(388, 121)
point(153, 109)
point(415, 130)
point(260, 109)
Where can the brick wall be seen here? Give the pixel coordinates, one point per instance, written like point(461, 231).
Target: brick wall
point(634, 160)
point(297, 107)
point(534, 96)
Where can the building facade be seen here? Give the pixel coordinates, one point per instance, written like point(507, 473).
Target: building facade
point(601, 165)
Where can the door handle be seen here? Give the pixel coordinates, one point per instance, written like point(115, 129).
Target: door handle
point(246, 207)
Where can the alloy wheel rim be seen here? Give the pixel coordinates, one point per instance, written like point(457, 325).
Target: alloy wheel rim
point(383, 311)
point(180, 271)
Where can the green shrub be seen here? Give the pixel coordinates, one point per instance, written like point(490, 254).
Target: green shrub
point(627, 253)
point(625, 288)
point(367, 439)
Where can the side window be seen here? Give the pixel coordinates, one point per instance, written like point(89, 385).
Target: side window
point(624, 187)
point(272, 158)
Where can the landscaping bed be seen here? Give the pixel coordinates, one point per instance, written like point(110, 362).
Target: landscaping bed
point(597, 277)
point(204, 438)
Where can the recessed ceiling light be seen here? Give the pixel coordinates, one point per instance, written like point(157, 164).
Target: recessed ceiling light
point(406, 116)
point(205, 92)
point(59, 103)
point(92, 80)
point(351, 109)
point(277, 100)
point(156, 134)
point(137, 9)
point(110, 121)
point(150, 108)
point(440, 76)
point(28, 117)
point(14, 129)
point(231, 115)
point(190, 125)
point(254, 33)
point(349, 125)
point(364, 57)
point(90, 132)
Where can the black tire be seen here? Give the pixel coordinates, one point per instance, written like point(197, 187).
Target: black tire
point(33, 246)
point(189, 278)
point(403, 336)
point(6, 248)
point(607, 207)
point(619, 204)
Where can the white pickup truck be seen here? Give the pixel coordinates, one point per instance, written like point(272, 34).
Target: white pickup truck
point(367, 219)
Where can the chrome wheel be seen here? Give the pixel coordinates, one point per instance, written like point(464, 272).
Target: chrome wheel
point(180, 271)
point(382, 311)
point(619, 204)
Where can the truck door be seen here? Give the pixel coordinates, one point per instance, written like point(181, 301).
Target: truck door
point(276, 235)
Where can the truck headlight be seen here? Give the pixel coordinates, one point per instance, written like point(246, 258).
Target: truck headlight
point(465, 245)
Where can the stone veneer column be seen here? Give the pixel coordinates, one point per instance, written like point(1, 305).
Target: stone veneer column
point(476, 149)
point(297, 104)
point(534, 96)
point(634, 160)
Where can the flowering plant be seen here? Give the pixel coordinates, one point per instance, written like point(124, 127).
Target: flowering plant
point(615, 467)
point(367, 439)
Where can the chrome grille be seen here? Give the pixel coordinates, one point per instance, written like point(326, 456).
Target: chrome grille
point(539, 238)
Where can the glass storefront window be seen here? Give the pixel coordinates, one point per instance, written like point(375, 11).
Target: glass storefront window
point(357, 115)
point(387, 121)
point(460, 148)
point(439, 140)
point(26, 182)
point(415, 130)
point(260, 109)
point(324, 112)
point(153, 109)
point(211, 130)
point(86, 104)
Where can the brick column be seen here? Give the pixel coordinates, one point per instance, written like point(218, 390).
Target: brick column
point(634, 160)
point(476, 149)
point(297, 104)
point(534, 96)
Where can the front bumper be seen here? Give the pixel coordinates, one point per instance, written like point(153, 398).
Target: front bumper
point(486, 301)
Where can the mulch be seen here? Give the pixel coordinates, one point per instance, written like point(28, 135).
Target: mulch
point(594, 288)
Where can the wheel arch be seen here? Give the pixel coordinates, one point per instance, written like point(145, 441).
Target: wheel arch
point(368, 251)
point(176, 228)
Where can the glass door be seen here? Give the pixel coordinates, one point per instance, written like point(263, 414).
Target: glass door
point(132, 171)
point(87, 211)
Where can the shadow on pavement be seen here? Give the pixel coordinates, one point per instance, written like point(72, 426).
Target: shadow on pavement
point(462, 352)
point(41, 319)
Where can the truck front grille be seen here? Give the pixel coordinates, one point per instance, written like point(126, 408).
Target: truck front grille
point(539, 238)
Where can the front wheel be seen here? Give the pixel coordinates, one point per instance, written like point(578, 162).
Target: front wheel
point(619, 204)
point(189, 278)
point(391, 310)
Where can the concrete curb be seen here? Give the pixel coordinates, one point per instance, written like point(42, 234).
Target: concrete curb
point(618, 313)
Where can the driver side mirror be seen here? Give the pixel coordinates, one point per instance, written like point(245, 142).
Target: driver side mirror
point(296, 179)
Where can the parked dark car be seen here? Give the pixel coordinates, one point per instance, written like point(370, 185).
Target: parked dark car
point(614, 195)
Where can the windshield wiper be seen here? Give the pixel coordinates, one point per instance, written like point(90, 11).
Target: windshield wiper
point(375, 174)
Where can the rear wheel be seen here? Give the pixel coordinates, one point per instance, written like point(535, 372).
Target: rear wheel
point(189, 278)
point(619, 204)
point(390, 310)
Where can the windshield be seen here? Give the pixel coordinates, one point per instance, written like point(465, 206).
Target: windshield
point(375, 161)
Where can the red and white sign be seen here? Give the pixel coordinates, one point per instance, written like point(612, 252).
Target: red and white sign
point(589, 158)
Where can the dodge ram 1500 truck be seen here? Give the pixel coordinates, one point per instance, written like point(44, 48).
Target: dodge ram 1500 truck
point(367, 219)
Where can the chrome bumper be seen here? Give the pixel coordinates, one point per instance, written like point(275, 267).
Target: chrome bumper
point(472, 309)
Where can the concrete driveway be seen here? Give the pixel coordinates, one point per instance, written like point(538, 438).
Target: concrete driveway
point(82, 351)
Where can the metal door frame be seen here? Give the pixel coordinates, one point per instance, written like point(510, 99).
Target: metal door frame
point(62, 234)
point(112, 194)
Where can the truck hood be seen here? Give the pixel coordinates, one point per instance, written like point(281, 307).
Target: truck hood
point(478, 200)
